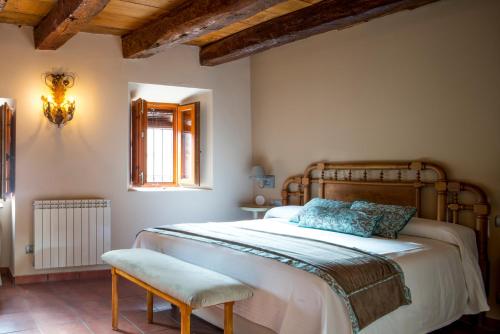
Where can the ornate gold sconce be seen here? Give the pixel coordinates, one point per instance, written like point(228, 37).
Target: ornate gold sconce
point(57, 108)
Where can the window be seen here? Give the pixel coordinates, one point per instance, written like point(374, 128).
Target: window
point(165, 144)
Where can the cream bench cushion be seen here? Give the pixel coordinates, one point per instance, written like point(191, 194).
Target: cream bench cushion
point(190, 284)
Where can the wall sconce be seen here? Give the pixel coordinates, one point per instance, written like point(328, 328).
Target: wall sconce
point(263, 181)
point(57, 108)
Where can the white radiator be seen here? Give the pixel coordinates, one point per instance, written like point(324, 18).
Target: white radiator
point(71, 233)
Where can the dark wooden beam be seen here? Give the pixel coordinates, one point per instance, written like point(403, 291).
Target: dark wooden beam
point(2, 4)
point(187, 21)
point(64, 21)
point(320, 17)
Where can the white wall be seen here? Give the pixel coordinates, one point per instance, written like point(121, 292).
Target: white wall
point(89, 157)
point(421, 84)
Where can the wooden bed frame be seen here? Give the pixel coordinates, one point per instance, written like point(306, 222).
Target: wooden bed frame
point(415, 183)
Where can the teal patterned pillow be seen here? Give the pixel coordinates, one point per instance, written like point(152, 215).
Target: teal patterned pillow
point(319, 202)
point(343, 220)
point(394, 217)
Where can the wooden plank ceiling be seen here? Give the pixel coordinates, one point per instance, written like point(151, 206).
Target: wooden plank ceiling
point(225, 30)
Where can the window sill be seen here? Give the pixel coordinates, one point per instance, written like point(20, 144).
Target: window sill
point(168, 189)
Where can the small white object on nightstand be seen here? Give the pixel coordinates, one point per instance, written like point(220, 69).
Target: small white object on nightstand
point(260, 200)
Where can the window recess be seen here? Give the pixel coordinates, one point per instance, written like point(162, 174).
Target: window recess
point(165, 144)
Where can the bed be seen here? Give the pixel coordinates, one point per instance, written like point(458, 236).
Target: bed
point(443, 261)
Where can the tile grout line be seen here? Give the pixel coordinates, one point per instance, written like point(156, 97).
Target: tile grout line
point(86, 326)
point(131, 322)
point(70, 306)
point(29, 311)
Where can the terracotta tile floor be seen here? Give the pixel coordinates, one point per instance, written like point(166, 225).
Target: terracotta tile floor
point(75, 307)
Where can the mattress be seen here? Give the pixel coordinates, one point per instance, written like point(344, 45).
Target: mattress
point(438, 260)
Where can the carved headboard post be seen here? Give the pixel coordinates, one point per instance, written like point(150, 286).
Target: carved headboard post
point(441, 190)
point(481, 210)
point(305, 190)
point(482, 241)
point(321, 190)
point(439, 185)
point(417, 166)
point(286, 192)
point(284, 197)
point(306, 182)
point(399, 183)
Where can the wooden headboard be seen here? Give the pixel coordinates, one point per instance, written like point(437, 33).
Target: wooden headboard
point(423, 185)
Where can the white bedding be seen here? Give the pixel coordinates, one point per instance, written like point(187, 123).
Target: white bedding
point(442, 274)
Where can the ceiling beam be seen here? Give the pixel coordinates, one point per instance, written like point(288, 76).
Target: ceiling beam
point(318, 18)
point(189, 20)
point(64, 21)
point(2, 4)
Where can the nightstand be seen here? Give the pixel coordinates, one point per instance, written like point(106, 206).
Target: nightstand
point(255, 209)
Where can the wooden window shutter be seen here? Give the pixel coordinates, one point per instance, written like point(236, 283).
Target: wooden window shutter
point(3, 111)
point(13, 151)
point(189, 144)
point(7, 134)
point(138, 136)
point(9, 152)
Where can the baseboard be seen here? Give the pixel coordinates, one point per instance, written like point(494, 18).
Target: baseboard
point(67, 276)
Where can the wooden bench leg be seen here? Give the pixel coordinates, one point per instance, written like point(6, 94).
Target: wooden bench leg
point(149, 298)
point(114, 299)
point(228, 318)
point(185, 319)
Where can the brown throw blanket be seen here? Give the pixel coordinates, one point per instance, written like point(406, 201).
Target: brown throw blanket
point(370, 285)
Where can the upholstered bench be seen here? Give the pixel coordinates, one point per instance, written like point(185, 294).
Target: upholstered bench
point(180, 283)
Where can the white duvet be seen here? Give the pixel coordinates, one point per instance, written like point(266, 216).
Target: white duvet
point(439, 261)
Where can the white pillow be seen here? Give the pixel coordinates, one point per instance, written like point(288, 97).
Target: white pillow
point(444, 231)
point(463, 237)
point(285, 212)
